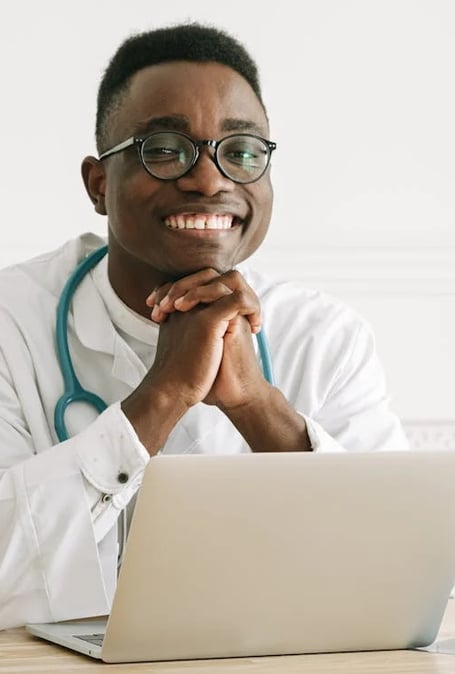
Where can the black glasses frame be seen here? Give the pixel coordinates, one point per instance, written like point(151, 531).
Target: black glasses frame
point(139, 141)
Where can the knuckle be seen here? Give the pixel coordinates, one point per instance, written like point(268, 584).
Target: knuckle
point(234, 276)
point(243, 297)
point(161, 292)
point(211, 272)
point(192, 282)
point(174, 291)
point(221, 288)
point(191, 295)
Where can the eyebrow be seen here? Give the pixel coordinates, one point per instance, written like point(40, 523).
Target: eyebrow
point(182, 123)
point(234, 124)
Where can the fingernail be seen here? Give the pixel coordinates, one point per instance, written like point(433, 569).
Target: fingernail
point(150, 301)
point(156, 313)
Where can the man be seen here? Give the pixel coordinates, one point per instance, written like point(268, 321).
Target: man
point(163, 327)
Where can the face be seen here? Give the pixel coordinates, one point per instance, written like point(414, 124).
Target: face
point(146, 245)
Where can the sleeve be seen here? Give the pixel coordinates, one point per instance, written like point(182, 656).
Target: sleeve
point(58, 513)
point(355, 414)
point(113, 473)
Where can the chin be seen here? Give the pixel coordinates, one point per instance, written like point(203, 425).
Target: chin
point(221, 266)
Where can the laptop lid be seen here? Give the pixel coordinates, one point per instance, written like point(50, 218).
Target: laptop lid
point(263, 554)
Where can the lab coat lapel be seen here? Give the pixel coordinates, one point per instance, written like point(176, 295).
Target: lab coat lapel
point(127, 366)
point(94, 329)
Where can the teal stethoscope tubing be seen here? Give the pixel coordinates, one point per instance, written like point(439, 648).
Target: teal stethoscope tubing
point(73, 391)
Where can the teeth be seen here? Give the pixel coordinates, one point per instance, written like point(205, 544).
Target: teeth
point(199, 221)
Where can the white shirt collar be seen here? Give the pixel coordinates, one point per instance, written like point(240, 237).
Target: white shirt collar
point(120, 314)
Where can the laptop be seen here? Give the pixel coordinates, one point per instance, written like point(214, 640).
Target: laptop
point(279, 553)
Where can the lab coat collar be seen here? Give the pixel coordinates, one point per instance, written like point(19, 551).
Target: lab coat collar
point(92, 324)
point(127, 366)
point(94, 329)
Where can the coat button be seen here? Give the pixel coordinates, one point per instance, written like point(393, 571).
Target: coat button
point(123, 477)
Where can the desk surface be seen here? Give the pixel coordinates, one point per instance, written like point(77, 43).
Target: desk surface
point(21, 652)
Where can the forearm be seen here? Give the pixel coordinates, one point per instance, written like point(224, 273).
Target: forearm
point(153, 414)
point(269, 423)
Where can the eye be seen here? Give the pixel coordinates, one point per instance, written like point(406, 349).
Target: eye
point(244, 155)
point(165, 148)
point(246, 152)
point(158, 153)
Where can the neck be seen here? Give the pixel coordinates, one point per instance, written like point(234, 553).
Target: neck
point(133, 283)
point(133, 279)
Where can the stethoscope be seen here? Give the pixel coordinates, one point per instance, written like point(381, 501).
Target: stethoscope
point(73, 390)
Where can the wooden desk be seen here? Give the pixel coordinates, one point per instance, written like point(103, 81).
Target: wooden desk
point(21, 652)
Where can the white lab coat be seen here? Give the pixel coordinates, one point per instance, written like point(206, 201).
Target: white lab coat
point(59, 502)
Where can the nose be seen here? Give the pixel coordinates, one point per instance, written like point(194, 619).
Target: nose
point(205, 177)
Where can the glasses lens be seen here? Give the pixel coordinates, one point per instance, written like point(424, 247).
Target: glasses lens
point(167, 155)
point(243, 158)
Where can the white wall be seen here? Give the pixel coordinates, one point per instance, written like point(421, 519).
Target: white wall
point(362, 105)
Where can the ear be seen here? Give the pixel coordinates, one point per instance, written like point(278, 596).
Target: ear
point(94, 178)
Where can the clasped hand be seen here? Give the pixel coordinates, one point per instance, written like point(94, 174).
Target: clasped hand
point(205, 349)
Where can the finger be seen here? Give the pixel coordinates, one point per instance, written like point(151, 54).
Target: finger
point(157, 294)
point(206, 287)
point(210, 291)
point(246, 297)
point(153, 300)
point(180, 287)
point(162, 298)
point(202, 295)
point(237, 303)
point(157, 315)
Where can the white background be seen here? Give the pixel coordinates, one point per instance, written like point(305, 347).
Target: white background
point(361, 98)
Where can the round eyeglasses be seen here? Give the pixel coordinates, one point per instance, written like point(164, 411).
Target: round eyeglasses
point(169, 155)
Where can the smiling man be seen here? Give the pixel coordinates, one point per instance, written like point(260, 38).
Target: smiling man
point(162, 328)
point(193, 211)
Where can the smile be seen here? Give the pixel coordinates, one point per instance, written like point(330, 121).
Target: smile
point(199, 221)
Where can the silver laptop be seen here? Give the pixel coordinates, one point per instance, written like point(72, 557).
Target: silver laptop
point(264, 554)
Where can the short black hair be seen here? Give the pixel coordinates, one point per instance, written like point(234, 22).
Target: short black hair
point(191, 41)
